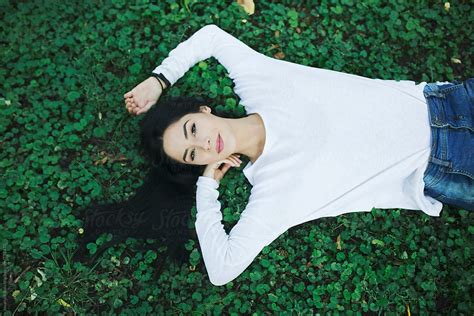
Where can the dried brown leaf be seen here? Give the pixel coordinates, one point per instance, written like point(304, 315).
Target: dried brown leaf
point(101, 161)
point(279, 55)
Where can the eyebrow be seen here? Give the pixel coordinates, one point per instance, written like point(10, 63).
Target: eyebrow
point(185, 136)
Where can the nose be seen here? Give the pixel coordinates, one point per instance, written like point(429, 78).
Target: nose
point(205, 143)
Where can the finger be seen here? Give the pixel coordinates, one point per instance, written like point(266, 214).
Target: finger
point(219, 164)
point(229, 160)
point(235, 161)
point(225, 168)
point(236, 156)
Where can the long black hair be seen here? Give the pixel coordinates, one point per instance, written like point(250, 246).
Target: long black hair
point(161, 207)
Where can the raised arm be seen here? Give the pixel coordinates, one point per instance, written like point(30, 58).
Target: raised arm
point(227, 256)
point(209, 41)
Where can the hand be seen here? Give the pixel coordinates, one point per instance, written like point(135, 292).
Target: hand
point(143, 96)
point(212, 170)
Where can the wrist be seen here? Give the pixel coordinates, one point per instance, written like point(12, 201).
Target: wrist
point(161, 79)
point(159, 83)
point(164, 85)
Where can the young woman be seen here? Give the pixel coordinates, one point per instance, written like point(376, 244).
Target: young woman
point(320, 143)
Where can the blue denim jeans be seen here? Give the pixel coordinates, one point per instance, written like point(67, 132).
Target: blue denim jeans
point(449, 177)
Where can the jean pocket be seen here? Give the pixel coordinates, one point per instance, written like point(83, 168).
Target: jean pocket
point(460, 171)
point(433, 175)
point(459, 150)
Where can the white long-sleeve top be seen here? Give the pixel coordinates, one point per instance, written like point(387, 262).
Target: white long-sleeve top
point(335, 143)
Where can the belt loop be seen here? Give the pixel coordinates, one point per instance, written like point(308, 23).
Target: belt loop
point(440, 162)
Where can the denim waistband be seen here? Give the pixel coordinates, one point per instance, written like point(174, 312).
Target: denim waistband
point(448, 105)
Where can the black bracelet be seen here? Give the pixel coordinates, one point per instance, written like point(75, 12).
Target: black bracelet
point(159, 81)
point(160, 76)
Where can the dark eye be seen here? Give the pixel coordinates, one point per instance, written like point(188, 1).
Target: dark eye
point(193, 130)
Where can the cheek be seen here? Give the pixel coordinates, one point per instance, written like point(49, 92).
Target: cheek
point(207, 158)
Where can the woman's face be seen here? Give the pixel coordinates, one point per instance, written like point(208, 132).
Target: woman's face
point(194, 137)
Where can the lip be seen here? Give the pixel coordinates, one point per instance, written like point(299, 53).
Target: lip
point(219, 144)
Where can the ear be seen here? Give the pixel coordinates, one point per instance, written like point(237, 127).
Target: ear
point(205, 108)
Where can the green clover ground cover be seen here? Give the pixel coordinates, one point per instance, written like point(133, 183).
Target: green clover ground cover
point(67, 140)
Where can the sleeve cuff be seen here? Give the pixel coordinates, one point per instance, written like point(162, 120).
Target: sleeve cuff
point(207, 182)
point(162, 77)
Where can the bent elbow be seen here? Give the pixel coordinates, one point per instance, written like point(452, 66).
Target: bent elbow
point(219, 281)
point(219, 278)
point(210, 26)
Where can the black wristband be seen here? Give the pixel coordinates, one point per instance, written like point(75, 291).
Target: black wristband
point(159, 81)
point(160, 76)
